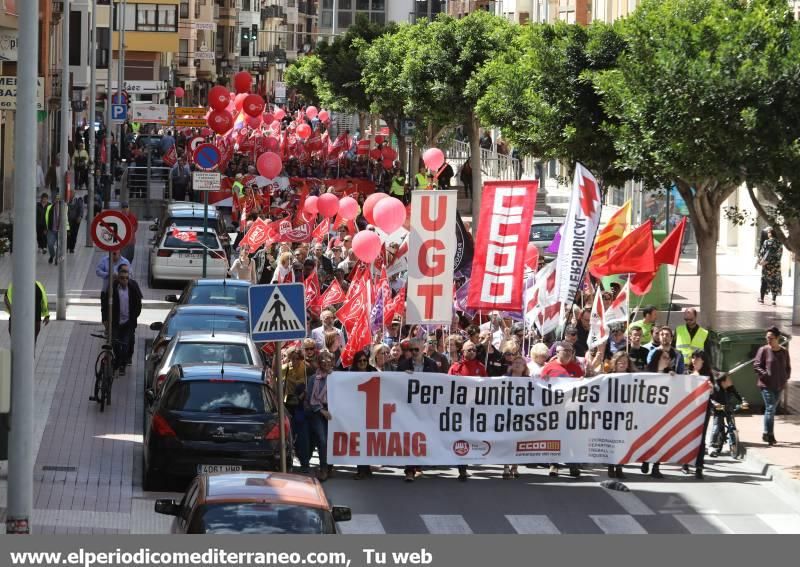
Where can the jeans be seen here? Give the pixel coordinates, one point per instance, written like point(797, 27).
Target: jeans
point(771, 400)
point(124, 341)
point(52, 243)
point(72, 235)
point(312, 432)
point(720, 428)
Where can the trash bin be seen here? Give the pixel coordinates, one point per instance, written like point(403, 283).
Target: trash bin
point(734, 351)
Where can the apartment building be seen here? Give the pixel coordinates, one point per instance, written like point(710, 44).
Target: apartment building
point(196, 58)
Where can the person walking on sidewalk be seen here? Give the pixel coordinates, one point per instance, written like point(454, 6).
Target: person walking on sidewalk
point(74, 216)
point(41, 223)
point(52, 220)
point(41, 310)
point(124, 317)
point(769, 258)
point(773, 368)
point(102, 271)
point(129, 249)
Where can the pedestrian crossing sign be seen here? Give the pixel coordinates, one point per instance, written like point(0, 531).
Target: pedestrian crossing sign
point(277, 312)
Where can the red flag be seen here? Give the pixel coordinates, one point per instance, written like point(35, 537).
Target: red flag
point(668, 252)
point(185, 236)
point(333, 295)
point(635, 254)
point(358, 338)
point(312, 292)
point(321, 230)
point(340, 222)
point(396, 306)
point(257, 234)
point(357, 302)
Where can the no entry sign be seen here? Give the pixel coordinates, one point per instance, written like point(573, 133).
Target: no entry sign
point(207, 156)
point(111, 231)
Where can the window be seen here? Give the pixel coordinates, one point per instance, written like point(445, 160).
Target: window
point(345, 4)
point(217, 397)
point(197, 8)
point(362, 4)
point(148, 17)
point(183, 52)
point(103, 39)
point(327, 19)
point(378, 18)
point(345, 19)
point(185, 9)
point(75, 38)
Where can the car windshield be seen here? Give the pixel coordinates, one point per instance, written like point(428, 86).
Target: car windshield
point(211, 352)
point(262, 518)
point(218, 295)
point(544, 231)
point(217, 396)
point(206, 322)
point(191, 239)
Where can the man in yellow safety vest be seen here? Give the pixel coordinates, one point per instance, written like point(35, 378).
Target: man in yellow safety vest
point(690, 336)
point(41, 312)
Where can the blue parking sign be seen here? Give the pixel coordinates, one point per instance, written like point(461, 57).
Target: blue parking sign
point(119, 112)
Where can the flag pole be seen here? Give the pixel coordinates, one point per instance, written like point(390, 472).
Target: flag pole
point(628, 309)
point(672, 292)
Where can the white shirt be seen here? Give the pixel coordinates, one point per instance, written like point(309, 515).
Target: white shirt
point(124, 304)
point(318, 335)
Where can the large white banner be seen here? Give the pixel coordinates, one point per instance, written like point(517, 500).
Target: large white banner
point(431, 257)
point(400, 418)
point(580, 227)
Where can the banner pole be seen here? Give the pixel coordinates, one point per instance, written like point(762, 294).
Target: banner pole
point(672, 293)
point(276, 370)
point(628, 309)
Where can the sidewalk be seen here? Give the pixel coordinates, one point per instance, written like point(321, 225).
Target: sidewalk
point(737, 308)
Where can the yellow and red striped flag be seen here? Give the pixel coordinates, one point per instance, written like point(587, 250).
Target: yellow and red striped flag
point(610, 235)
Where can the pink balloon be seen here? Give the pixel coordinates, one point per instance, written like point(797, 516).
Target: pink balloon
point(254, 121)
point(276, 126)
point(367, 246)
point(532, 256)
point(269, 165)
point(311, 111)
point(304, 131)
point(389, 215)
point(272, 144)
point(369, 205)
point(268, 118)
point(310, 206)
point(348, 208)
point(433, 158)
point(324, 116)
point(279, 113)
point(179, 92)
point(328, 205)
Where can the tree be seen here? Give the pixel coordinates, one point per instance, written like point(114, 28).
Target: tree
point(692, 104)
point(304, 75)
point(540, 93)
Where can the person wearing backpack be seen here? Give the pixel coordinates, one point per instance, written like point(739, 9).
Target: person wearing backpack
point(74, 216)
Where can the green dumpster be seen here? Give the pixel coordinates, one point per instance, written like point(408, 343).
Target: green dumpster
point(734, 351)
point(659, 294)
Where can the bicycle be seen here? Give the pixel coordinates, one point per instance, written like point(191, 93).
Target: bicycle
point(728, 432)
point(104, 374)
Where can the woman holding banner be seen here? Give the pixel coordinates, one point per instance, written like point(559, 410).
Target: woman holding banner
point(620, 364)
point(518, 368)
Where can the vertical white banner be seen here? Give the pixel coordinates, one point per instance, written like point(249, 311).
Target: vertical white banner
point(431, 257)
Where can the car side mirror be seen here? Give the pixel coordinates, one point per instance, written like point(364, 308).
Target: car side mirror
point(156, 326)
point(171, 297)
point(340, 513)
point(149, 396)
point(167, 507)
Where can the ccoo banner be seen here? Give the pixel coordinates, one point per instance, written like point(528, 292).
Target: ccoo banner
point(431, 246)
point(399, 418)
point(497, 269)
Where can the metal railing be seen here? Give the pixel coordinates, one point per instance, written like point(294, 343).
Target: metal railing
point(493, 165)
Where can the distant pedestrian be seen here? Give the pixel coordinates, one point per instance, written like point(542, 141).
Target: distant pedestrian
point(74, 216)
point(774, 369)
point(124, 317)
point(129, 249)
point(769, 258)
point(181, 177)
point(103, 271)
point(41, 311)
point(52, 219)
point(466, 177)
point(41, 223)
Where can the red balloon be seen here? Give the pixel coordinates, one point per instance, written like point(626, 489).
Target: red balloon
point(532, 256)
point(272, 144)
point(375, 154)
point(220, 121)
point(324, 116)
point(279, 113)
point(369, 205)
point(304, 131)
point(254, 121)
point(378, 139)
point(310, 206)
point(348, 208)
point(253, 105)
point(389, 215)
point(238, 102)
point(328, 205)
point(268, 118)
point(367, 246)
point(269, 165)
point(218, 97)
point(179, 92)
point(206, 132)
point(433, 158)
point(242, 81)
point(312, 111)
point(388, 153)
point(388, 163)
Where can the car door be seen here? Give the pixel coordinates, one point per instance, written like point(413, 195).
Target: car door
point(188, 505)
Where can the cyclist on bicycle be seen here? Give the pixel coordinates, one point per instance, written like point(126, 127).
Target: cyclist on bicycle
point(725, 400)
point(124, 315)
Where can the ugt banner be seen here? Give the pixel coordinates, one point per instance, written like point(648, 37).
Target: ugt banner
point(502, 238)
point(431, 257)
point(399, 418)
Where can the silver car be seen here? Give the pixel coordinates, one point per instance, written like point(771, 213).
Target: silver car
point(197, 347)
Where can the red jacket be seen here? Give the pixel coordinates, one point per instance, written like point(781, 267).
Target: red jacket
point(554, 369)
point(467, 368)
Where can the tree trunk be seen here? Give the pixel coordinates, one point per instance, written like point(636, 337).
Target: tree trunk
point(475, 162)
point(362, 123)
point(707, 255)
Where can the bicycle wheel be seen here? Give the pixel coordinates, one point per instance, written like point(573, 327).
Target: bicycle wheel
point(98, 376)
point(737, 450)
point(109, 379)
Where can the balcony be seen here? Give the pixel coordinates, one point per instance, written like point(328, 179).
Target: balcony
point(273, 11)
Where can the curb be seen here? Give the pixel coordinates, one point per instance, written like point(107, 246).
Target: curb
point(776, 474)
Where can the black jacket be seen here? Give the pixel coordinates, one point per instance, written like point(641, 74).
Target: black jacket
point(428, 365)
point(134, 303)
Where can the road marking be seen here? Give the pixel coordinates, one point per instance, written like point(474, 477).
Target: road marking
point(631, 503)
point(618, 524)
point(702, 524)
point(362, 524)
point(532, 524)
point(782, 523)
point(446, 524)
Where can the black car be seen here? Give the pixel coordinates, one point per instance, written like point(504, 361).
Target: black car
point(211, 418)
point(208, 318)
point(213, 292)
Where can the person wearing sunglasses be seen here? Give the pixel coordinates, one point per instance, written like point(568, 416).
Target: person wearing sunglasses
point(362, 364)
point(417, 362)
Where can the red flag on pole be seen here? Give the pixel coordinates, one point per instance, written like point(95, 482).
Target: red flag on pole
point(668, 252)
point(359, 337)
point(396, 306)
point(635, 254)
point(333, 295)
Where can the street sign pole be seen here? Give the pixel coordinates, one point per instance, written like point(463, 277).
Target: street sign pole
point(92, 111)
point(205, 229)
point(21, 449)
point(276, 371)
point(61, 257)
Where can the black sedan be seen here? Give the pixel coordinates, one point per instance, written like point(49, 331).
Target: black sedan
point(211, 418)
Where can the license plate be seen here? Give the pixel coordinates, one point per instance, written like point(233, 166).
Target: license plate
point(191, 255)
point(218, 468)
